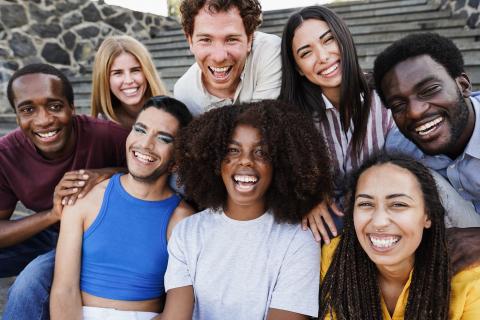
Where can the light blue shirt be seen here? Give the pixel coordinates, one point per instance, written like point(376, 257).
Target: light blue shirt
point(463, 172)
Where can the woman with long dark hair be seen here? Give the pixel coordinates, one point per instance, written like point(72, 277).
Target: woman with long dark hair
point(392, 260)
point(322, 77)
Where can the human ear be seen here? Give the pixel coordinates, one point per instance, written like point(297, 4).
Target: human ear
point(190, 41)
point(428, 223)
point(464, 84)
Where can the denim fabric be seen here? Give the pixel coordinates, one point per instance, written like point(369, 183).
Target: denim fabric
point(15, 258)
point(28, 298)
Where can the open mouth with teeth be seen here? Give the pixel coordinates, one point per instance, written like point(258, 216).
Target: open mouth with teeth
point(330, 71)
point(245, 183)
point(220, 73)
point(429, 127)
point(48, 135)
point(144, 158)
point(130, 91)
point(383, 243)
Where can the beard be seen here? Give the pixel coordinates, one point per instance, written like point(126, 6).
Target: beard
point(153, 176)
point(459, 123)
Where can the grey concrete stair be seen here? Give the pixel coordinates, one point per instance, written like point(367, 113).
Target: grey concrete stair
point(373, 23)
point(7, 123)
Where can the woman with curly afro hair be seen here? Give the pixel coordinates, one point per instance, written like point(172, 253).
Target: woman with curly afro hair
point(258, 168)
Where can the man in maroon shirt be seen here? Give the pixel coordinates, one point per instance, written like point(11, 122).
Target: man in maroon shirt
point(40, 165)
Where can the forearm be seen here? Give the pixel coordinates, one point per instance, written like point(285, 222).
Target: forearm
point(66, 303)
point(277, 314)
point(179, 304)
point(15, 231)
point(65, 296)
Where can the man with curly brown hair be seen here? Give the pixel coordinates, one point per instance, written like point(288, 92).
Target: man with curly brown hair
point(234, 63)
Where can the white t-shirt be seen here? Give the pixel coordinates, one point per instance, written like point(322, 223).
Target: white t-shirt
point(261, 78)
point(240, 269)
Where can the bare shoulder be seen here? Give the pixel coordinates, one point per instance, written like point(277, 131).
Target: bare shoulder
point(182, 211)
point(91, 202)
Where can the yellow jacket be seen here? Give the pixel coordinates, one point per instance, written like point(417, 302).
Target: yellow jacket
point(464, 299)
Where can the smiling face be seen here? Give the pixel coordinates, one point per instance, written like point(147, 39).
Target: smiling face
point(389, 215)
point(429, 107)
point(246, 171)
point(220, 46)
point(150, 144)
point(317, 55)
point(127, 81)
point(44, 114)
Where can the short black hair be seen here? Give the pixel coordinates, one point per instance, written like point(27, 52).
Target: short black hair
point(439, 48)
point(42, 68)
point(171, 105)
point(296, 150)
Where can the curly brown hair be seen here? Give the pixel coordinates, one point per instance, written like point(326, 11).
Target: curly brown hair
point(299, 158)
point(250, 11)
point(350, 287)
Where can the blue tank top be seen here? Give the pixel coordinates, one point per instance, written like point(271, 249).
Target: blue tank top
point(124, 252)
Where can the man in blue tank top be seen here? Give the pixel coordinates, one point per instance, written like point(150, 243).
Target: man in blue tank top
point(112, 249)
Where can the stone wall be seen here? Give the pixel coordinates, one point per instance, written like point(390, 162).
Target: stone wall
point(64, 33)
point(466, 9)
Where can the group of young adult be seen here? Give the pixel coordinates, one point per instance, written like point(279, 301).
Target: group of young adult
point(262, 170)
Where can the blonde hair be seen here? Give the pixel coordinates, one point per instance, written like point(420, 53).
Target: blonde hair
point(103, 101)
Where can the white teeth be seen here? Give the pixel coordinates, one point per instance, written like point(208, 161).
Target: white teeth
point(384, 242)
point(329, 70)
point(47, 134)
point(143, 157)
point(130, 91)
point(428, 127)
point(249, 179)
point(219, 69)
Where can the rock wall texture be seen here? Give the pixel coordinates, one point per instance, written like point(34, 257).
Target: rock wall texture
point(466, 9)
point(64, 33)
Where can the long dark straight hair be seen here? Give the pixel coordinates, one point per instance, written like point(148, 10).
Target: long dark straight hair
point(355, 94)
point(350, 288)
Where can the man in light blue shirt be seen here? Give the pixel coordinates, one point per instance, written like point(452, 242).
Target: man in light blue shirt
point(421, 79)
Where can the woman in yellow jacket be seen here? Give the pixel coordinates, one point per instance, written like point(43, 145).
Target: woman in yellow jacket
point(392, 261)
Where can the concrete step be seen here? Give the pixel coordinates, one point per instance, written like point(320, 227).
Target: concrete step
point(361, 9)
point(391, 11)
point(471, 59)
point(401, 18)
point(8, 122)
point(388, 27)
point(353, 8)
point(179, 44)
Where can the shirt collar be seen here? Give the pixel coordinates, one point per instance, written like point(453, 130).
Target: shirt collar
point(328, 104)
point(473, 146)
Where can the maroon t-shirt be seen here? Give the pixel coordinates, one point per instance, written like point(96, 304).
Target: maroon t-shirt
point(27, 177)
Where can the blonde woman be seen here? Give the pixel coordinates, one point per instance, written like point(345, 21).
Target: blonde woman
point(124, 76)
